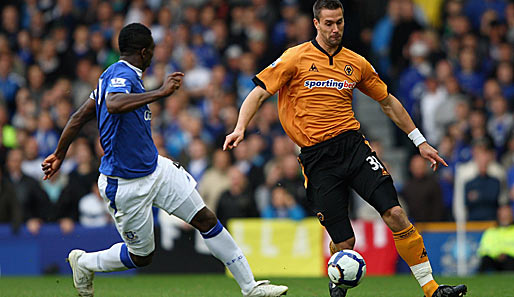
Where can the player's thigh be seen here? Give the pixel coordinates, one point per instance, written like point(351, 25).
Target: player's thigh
point(374, 184)
point(130, 205)
point(190, 207)
point(329, 196)
point(176, 190)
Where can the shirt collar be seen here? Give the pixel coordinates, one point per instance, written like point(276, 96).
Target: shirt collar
point(137, 70)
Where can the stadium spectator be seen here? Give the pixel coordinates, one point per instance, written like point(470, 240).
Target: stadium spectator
point(197, 158)
point(402, 30)
point(446, 175)
point(244, 160)
point(293, 181)
point(505, 77)
point(36, 81)
point(198, 76)
point(80, 180)
point(470, 78)
point(238, 201)
point(31, 162)
point(10, 82)
point(163, 25)
point(10, 24)
point(46, 135)
point(273, 173)
point(422, 193)
point(81, 88)
point(382, 36)
point(8, 132)
point(30, 195)
point(413, 77)
point(283, 205)
point(500, 123)
point(482, 192)
point(104, 17)
point(496, 250)
point(92, 209)
point(216, 180)
point(80, 49)
point(481, 171)
point(10, 209)
point(433, 97)
point(475, 9)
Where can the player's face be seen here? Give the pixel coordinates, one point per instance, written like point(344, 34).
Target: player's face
point(330, 26)
point(147, 55)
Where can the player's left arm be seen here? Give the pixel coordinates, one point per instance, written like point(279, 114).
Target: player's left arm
point(397, 113)
point(85, 113)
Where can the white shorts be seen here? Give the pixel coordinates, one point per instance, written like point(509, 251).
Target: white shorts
point(130, 202)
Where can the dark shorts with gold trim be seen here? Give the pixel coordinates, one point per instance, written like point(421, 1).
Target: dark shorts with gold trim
point(333, 167)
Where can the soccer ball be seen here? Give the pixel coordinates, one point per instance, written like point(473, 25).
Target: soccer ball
point(346, 268)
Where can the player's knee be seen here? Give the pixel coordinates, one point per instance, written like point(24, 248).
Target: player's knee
point(395, 215)
point(344, 245)
point(204, 220)
point(142, 261)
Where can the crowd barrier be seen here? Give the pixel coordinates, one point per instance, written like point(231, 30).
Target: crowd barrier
point(273, 248)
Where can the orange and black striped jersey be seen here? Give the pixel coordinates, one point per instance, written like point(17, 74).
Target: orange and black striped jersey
point(316, 90)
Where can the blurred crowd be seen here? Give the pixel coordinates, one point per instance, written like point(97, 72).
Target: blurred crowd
point(450, 62)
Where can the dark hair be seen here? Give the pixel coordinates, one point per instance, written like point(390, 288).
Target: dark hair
point(133, 38)
point(325, 4)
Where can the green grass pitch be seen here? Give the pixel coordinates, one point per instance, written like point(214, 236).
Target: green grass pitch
point(498, 285)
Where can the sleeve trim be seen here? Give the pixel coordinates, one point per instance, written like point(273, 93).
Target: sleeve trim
point(387, 95)
point(259, 82)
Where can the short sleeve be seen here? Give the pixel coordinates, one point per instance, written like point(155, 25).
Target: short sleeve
point(371, 84)
point(92, 96)
point(121, 83)
point(276, 75)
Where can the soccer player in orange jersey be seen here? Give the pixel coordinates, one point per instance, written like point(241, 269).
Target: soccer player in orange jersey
point(315, 81)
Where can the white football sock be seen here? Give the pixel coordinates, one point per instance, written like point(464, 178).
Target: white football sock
point(116, 258)
point(222, 246)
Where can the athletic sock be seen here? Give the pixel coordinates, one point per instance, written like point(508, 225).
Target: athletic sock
point(116, 258)
point(410, 247)
point(222, 246)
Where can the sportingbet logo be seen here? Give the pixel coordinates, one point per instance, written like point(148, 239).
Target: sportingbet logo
point(329, 84)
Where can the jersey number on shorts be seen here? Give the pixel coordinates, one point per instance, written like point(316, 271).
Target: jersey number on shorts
point(375, 164)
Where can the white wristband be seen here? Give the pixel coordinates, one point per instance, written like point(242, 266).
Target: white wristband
point(416, 137)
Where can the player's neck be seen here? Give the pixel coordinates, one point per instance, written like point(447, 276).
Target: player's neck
point(328, 48)
point(133, 60)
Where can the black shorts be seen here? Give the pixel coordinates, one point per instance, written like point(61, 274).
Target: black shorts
point(334, 166)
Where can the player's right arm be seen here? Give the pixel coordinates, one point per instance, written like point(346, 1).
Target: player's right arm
point(85, 113)
point(250, 106)
point(125, 102)
point(268, 82)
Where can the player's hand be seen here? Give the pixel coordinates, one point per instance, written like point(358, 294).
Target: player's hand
point(171, 83)
point(432, 155)
point(233, 139)
point(50, 166)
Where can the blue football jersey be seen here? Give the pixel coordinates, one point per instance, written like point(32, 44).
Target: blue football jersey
point(126, 138)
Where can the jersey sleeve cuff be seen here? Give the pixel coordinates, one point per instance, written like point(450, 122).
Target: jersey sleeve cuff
point(380, 99)
point(259, 82)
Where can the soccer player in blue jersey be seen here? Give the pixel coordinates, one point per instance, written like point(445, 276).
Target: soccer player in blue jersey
point(133, 177)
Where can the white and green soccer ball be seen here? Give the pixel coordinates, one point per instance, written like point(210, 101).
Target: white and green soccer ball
point(346, 268)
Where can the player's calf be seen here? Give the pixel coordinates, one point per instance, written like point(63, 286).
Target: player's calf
point(142, 261)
